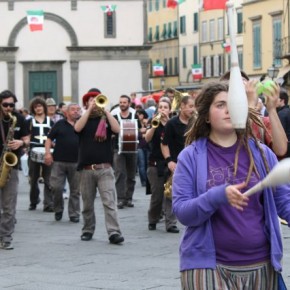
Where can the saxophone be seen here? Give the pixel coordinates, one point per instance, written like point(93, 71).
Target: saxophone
point(168, 187)
point(8, 158)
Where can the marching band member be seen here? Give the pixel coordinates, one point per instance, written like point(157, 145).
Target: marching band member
point(39, 126)
point(14, 135)
point(157, 170)
point(230, 241)
point(125, 164)
point(95, 165)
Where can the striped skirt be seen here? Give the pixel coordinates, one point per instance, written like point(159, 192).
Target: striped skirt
point(260, 276)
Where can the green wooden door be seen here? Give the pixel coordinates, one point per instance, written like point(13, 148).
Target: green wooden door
point(44, 84)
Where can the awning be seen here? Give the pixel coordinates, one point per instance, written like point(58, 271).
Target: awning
point(283, 70)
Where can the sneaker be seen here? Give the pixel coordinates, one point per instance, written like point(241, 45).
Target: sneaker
point(130, 203)
point(116, 239)
point(151, 227)
point(6, 246)
point(121, 204)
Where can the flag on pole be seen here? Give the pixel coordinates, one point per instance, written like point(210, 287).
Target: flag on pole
point(35, 19)
point(158, 69)
point(226, 46)
point(109, 9)
point(174, 3)
point(214, 4)
point(196, 72)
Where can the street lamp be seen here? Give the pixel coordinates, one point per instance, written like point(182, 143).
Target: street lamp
point(273, 71)
point(162, 83)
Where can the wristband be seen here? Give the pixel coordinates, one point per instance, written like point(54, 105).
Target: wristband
point(168, 159)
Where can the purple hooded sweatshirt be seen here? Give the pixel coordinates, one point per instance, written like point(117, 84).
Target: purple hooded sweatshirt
point(194, 205)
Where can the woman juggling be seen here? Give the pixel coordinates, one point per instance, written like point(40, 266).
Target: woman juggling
point(230, 241)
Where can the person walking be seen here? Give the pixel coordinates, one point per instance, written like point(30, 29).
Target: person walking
point(230, 241)
point(14, 136)
point(64, 163)
point(95, 129)
point(39, 126)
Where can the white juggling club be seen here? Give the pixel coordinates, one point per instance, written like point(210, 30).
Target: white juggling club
point(280, 174)
point(237, 97)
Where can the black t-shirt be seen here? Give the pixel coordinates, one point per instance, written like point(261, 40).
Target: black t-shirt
point(90, 150)
point(66, 141)
point(20, 130)
point(174, 136)
point(39, 131)
point(155, 142)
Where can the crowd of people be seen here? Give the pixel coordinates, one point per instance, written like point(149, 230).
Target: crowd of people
point(183, 144)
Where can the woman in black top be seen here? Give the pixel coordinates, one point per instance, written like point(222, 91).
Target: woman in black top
point(156, 172)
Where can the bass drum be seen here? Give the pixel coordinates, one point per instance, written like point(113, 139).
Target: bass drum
point(128, 136)
point(37, 154)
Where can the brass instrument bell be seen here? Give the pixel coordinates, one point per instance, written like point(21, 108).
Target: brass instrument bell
point(156, 120)
point(101, 101)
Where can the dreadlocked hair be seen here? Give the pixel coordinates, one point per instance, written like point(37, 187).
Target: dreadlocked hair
point(201, 128)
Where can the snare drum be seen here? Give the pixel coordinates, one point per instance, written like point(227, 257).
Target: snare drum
point(128, 136)
point(37, 154)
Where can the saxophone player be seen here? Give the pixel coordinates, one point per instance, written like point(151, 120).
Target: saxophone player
point(14, 135)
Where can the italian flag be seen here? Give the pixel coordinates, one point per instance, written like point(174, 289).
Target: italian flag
point(109, 9)
point(174, 3)
point(214, 4)
point(158, 69)
point(226, 46)
point(35, 19)
point(196, 72)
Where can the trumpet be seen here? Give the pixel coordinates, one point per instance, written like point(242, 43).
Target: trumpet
point(101, 101)
point(156, 120)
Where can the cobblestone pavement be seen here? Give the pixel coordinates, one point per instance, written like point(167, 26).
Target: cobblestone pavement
point(49, 255)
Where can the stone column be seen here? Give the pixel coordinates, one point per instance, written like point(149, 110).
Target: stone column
point(145, 74)
point(74, 66)
point(11, 75)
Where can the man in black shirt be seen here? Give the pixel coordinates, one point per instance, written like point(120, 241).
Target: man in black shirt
point(64, 163)
point(14, 135)
point(95, 128)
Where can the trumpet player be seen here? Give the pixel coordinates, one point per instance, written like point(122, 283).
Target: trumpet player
point(95, 166)
point(14, 135)
point(156, 171)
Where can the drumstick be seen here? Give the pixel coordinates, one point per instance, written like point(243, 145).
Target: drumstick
point(280, 174)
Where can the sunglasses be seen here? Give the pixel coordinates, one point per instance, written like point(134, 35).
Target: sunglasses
point(11, 105)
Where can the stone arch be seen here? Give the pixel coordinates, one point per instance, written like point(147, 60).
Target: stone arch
point(47, 16)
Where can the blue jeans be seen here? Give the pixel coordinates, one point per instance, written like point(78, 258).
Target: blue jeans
point(142, 164)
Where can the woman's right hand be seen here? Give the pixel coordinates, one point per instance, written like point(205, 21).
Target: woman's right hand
point(235, 197)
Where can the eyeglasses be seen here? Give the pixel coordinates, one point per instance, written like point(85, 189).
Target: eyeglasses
point(11, 105)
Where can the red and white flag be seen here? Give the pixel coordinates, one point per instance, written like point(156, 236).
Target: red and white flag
point(35, 20)
point(196, 72)
point(158, 69)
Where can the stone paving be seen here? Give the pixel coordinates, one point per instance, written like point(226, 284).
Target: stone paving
point(49, 255)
